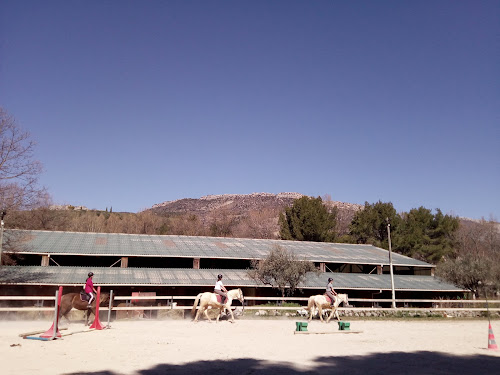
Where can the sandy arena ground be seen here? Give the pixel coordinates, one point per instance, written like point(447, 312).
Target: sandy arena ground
point(152, 347)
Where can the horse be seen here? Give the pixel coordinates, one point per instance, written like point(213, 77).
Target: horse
point(209, 299)
point(320, 302)
point(73, 300)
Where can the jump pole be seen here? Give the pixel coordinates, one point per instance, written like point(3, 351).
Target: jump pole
point(53, 331)
point(97, 323)
point(109, 308)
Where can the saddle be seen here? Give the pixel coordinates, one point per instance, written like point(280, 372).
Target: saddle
point(328, 299)
point(84, 297)
point(219, 298)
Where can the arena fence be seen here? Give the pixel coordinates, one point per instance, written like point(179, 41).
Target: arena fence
point(260, 303)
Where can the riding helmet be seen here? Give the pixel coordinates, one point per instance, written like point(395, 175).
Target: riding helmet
point(330, 279)
point(91, 274)
point(219, 276)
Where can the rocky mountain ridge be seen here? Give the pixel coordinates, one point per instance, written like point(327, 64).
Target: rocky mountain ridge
point(239, 203)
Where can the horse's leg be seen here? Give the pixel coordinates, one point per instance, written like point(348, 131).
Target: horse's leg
point(63, 312)
point(320, 313)
point(232, 316)
point(337, 314)
point(65, 315)
point(89, 311)
point(334, 312)
point(330, 315)
point(221, 310)
point(197, 315)
point(202, 309)
point(206, 314)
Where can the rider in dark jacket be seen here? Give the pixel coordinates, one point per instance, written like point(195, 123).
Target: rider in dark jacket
point(330, 292)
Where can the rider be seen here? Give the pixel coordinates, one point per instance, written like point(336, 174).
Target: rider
point(220, 289)
point(89, 288)
point(330, 292)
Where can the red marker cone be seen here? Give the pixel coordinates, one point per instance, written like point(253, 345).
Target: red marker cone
point(491, 339)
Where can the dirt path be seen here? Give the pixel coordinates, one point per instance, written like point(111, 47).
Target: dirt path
point(253, 347)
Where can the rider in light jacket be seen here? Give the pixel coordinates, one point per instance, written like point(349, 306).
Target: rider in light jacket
point(220, 289)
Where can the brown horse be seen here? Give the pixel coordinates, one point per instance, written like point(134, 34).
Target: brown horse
point(73, 300)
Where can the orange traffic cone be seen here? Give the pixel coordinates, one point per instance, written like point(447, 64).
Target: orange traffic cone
point(491, 339)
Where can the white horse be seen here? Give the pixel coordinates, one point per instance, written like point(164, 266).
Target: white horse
point(209, 299)
point(320, 302)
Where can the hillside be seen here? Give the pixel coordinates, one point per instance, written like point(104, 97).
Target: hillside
point(245, 205)
point(238, 204)
point(242, 205)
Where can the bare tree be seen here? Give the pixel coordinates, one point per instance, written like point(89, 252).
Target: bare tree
point(186, 225)
point(42, 216)
point(474, 264)
point(258, 224)
point(222, 222)
point(281, 269)
point(19, 171)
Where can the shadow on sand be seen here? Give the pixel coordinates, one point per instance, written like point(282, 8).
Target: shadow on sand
point(419, 363)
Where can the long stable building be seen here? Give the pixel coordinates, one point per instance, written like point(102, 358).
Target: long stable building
point(184, 265)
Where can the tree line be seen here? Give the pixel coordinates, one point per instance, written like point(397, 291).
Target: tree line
point(465, 253)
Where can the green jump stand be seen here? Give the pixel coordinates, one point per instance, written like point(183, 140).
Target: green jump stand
point(344, 326)
point(300, 326)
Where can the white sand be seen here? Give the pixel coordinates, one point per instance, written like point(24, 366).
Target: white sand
point(253, 347)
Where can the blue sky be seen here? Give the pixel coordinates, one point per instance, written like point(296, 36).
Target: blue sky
point(134, 103)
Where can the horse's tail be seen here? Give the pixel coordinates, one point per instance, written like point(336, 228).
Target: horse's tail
point(310, 303)
point(193, 311)
point(67, 303)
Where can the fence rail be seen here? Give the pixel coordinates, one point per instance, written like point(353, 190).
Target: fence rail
point(438, 304)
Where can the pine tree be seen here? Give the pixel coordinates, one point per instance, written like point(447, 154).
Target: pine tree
point(369, 226)
point(308, 220)
point(425, 235)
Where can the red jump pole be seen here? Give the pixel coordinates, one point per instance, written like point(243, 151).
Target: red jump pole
point(97, 322)
point(53, 331)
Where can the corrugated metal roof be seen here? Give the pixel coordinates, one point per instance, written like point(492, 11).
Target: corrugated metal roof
point(108, 277)
point(115, 244)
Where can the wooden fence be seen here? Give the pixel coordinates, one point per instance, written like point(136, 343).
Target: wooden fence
point(437, 304)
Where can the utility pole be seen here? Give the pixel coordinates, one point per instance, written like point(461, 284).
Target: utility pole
point(390, 264)
point(2, 215)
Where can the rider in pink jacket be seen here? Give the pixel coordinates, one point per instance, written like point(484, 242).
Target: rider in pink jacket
point(89, 287)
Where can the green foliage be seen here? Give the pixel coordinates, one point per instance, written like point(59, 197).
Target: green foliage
point(369, 226)
point(308, 220)
point(419, 233)
point(424, 235)
point(283, 304)
point(282, 270)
